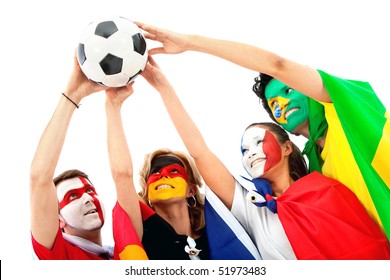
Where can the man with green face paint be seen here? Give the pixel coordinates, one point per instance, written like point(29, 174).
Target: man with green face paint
point(347, 126)
point(289, 107)
point(296, 113)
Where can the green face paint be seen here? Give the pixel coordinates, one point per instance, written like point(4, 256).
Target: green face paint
point(289, 107)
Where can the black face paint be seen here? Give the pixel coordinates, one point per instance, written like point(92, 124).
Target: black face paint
point(163, 161)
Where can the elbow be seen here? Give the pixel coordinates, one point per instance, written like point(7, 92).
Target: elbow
point(39, 176)
point(277, 66)
point(122, 175)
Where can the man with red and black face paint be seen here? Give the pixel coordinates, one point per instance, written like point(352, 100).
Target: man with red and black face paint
point(66, 213)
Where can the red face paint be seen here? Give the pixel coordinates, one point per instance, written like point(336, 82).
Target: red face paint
point(171, 171)
point(272, 151)
point(78, 192)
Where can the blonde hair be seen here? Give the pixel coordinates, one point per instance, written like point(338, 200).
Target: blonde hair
point(197, 211)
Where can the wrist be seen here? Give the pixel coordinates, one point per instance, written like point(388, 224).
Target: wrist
point(73, 94)
point(72, 100)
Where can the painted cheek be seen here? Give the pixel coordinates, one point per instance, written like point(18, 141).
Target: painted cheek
point(167, 172)
point(271, 150)
point(179, 189)
point(99, 207)
point(279, 107)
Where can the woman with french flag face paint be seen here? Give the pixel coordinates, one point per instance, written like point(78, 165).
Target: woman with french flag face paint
point(80, 207)
point(260, 151)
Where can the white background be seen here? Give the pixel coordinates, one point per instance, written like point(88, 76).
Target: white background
point(38, 38)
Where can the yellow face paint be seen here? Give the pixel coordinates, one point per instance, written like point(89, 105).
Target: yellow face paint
point(289, 107)
point(278, 106)
point(167, 188)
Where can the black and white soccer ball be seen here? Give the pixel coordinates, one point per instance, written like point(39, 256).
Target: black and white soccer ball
point(112, 52)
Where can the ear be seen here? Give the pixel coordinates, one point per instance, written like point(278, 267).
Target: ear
point(287, 148)
point(191, 191)
point(62, 221)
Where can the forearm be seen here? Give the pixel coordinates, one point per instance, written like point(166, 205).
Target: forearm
point(213, 171)
point(52, 140)
point(185, 126)
point(122, 168)
point(300, 77)
point(244, 55)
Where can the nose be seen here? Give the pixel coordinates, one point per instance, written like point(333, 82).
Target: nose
point(283, 103)
point(87, 198)
point(251, 153)
point(164, 173)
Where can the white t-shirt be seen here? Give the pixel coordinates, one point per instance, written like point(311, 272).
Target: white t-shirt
point(263, 226)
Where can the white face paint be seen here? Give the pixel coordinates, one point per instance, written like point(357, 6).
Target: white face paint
point(79, 204)
point(253, 157)
point(260, 151)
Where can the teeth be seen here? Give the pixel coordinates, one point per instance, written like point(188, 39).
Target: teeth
point(164, 187)
point(289, 112)
point(91, 212)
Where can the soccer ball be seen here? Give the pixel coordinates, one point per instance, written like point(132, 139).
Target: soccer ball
point(112, 52)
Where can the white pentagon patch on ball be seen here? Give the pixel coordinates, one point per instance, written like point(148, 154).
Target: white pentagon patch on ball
point(112, 52)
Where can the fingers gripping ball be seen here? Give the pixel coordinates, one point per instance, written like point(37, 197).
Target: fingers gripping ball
point(112, 51)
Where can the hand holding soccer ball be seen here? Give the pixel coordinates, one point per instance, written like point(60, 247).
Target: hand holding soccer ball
point(112, 52)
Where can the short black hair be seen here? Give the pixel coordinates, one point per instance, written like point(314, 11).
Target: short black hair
point(261, 81)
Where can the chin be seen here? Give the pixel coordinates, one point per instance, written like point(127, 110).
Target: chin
point(256, 175)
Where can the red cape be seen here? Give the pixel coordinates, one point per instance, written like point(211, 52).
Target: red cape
point(323, 219)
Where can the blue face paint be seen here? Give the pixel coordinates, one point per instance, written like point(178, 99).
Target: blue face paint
point(277, 112)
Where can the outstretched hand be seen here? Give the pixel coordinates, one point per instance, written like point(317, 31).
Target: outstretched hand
point(116, 96)
point(153, 74)
point(173, 42)
point(79, 85)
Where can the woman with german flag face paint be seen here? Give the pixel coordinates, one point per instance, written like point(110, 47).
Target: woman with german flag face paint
point(167, 180)
point(174, 223)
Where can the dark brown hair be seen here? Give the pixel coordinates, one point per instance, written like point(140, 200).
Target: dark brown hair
point(68, 174)
point(258, 88)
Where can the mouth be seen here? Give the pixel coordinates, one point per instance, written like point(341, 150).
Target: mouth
point(257, 161)
point(289, 112)
point(159, 187)
point(92, 211)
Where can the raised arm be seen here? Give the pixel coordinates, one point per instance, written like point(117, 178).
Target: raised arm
point(298, 76)
point(213, 171)
point(43, 197)
point(120, 158)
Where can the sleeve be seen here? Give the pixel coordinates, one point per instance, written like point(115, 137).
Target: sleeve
point(127, 243)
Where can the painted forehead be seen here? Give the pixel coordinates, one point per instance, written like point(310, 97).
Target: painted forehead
point(162, 161)
point(70, 184)
point(256, 133)
point(253, 132)
point(274, 88)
